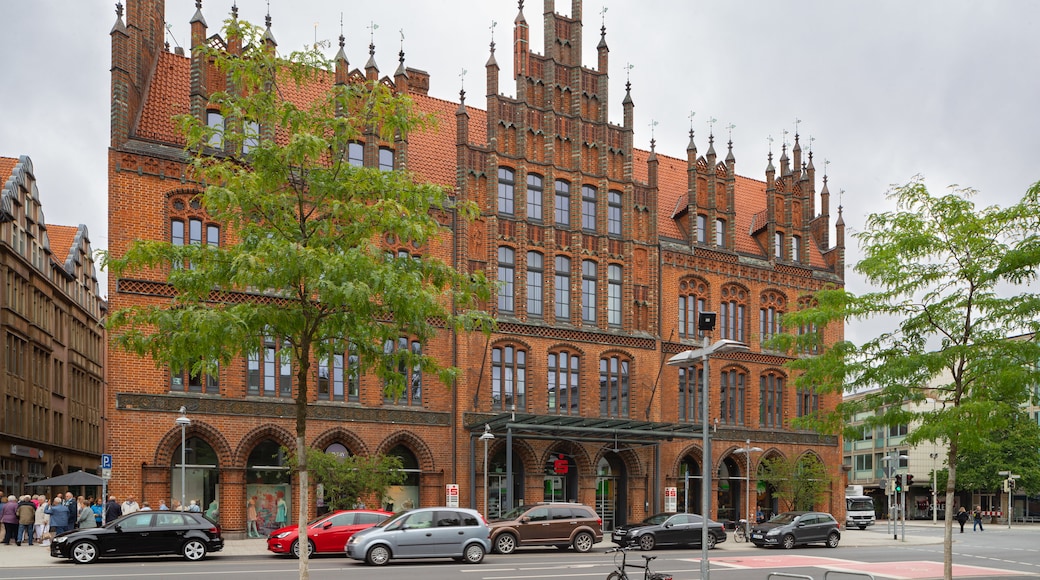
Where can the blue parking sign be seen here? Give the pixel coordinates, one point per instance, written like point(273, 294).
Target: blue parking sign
point(106, 461)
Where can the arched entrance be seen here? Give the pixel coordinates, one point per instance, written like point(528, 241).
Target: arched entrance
point(689, 485)
point(497, 481)
point(339, 450)
point(405, 496)
point(610, 489)
point(201, 476)
point(730, 486)
point(561, 478)
point(268, 484)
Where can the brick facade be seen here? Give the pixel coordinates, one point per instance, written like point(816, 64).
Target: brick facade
point(644, 234)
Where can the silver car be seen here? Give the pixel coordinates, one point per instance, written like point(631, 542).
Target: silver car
point(432, 532)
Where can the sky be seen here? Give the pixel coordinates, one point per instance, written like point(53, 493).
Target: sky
point(886, 89)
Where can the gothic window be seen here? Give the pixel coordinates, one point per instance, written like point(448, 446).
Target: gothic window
point(588, 291)
point(563, 380)
point(386, 159)
point(614, 295)
point(690, 394)
point(732, 315)
point(534, 197)
point(588, 208)
point(506, 186)
point(189, 223)
point(563, 288)
point(215, 121)
point(720, 233)
point(769, 315)
point(796, 248)
point(613, 387)
point(508, 378)
point(702, 228)
point(356, 154)
point(778, 245)
point(412, 393)
point(808, 334)
point(614, 213)
point(338, 376)
point(563, 203)
point(535, 280)
point(269, 372)
point(195, 382)
point(808, 401)
point(771, 400)
point(693, 296)
point(731, 399)
point(506, 271)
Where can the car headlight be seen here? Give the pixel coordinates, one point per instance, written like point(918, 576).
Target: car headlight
point(352, 540)
point(281, 535)
point(60, 540)
point(773, 532)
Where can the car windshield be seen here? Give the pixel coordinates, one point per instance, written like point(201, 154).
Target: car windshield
point(861, 505)
point(784, 518)
point(388, 522)
point(657, 518)
point(513, 513)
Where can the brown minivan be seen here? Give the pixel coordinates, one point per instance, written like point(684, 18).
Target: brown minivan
point(547, 524)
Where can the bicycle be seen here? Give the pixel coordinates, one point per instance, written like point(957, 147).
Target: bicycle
point(620, 573)
point(740, 533)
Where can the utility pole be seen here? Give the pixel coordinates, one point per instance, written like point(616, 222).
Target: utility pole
point(1009, 488)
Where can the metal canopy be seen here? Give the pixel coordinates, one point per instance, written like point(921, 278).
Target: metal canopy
point(577, 428)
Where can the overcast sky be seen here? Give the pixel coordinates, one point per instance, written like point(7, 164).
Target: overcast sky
point(887, 89)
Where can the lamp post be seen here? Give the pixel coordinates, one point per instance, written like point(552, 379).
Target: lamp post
point(688, 359)
point(747, 450)
point(485, 437)
point(935, 501)
point(184, 422)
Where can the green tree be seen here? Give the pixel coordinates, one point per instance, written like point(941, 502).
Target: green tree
point(348, 480)
point(952, 279)
point(1014, 447)
point(799, 484)
point(300, 259)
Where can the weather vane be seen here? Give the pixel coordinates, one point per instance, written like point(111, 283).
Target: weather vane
point(690, 117)
point(492, 27)
point(811, 139)
point(628, 71)
point(603, 16)
point(770, 140)
point(785, 137)
point(402, 38)
point(653, 124)
point(796, 122)
point(462, 78)
point(372, 27)
point(730, 128)
point(711, 125)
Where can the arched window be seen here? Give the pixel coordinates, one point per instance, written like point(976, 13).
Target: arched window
point(731, 399)
point(506, 273)
point(356, 154)
point(563, 382)
point(202, 473)
point(386, 159)
point(614, 295)
point(563, 289)
point(506, 186)
point(563, 204)
point(268, 484)
point(412, 394)
point(215, 121)
point(693, 296)
point(588, 291)
point(189, 223)
point(770, 314)
point(534, 197)
point(508, 378)
point(535, 280)
point(733, 315)
point(614, 213)
point(613, 386)
point(588, 208)
point(771, 400)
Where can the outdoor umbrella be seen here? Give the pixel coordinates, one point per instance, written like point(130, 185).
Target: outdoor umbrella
point(70, 479)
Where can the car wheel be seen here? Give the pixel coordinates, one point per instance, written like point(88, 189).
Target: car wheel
point(295, 548)
point(711, 541)
point(583, 542)
point(505, 543)
point(378, 555)
point(474, 554)
point(84, 552)
point(194, 550)
point(646, 542)
point(787, 542)
point(832, 540)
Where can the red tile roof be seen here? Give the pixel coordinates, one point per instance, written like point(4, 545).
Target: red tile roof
point(6, 167)
point(61, 239)
point(168, 95)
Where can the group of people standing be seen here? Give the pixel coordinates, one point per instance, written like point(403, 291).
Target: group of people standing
point(35, 518)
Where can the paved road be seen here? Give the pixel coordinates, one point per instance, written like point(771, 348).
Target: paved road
point(996, 553)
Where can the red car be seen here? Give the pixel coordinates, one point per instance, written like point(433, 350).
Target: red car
point(326, 534)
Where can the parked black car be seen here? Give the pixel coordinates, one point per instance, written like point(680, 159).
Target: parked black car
point(668, 528)
point(790, 529)
point(148, 533)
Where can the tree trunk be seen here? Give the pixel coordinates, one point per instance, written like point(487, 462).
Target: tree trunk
point(301, 453)
point(951, 480)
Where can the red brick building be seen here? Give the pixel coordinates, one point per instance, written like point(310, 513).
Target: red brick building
point(606, 253)
point(52, 371)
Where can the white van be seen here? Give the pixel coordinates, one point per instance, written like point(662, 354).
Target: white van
point(859, 508)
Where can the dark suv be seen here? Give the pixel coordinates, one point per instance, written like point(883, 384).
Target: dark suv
point(547, 524)
point(791, 529)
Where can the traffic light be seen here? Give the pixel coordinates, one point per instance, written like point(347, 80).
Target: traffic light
point(909, 479)
point(899, 483)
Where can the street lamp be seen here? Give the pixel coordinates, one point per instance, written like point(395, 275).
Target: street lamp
point(747, 450)
point(705, 323)
point(184, 422)
point(485, 437)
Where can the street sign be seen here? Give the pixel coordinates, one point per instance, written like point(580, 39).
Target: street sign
point(106, 473)
point(106, 461)
point(671, 497)
point(452, 494)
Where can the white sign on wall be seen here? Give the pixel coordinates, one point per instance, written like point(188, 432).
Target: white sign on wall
point(671, 496)
point(451, 492)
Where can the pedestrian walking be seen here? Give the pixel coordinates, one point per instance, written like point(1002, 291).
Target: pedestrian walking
point(962, 518)
point(26, 521)
point(59, 512)
point(9, 517)
point(977, 519)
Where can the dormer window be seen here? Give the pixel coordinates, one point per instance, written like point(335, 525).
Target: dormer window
point(215, 121)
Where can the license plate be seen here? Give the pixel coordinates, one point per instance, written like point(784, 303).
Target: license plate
point(756, 536)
